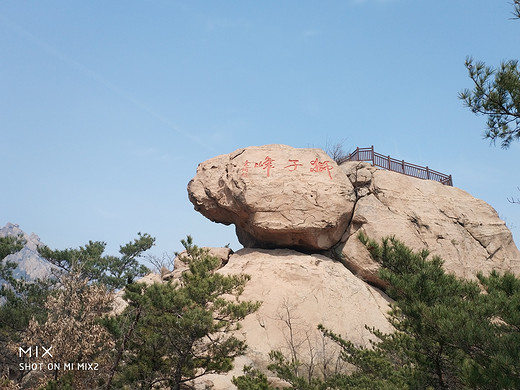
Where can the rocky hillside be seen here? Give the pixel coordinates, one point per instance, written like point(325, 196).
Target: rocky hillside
point(281, 197)
point(299, 214)
point(466, 232)
point(31, 265)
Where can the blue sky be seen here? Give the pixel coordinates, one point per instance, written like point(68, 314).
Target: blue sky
point(106, 108)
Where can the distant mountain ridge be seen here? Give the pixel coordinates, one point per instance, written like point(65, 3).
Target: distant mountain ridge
point(31, 265)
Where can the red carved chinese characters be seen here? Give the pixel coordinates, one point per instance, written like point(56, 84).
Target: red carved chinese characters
point(267, 164)
point(294, 165)
point(320, 166)
point(245, 168)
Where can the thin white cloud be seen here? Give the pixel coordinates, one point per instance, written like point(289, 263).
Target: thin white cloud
point(125, 95)
point(310, 33)
point(362, 2)
point(215, 24)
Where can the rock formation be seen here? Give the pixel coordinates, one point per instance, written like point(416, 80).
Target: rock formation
point(281, 197)
point(299, 291)
point(277, 196)
point(30, 265)
point(464, 231)
point(306, 290)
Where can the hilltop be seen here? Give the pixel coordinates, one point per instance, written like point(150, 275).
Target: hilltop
point(30, 265)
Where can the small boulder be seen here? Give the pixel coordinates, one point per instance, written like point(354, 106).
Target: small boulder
point(180, 265)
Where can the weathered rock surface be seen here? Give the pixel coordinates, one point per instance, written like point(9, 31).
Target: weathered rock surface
point(466, 232)
point(276, 200)
point(276, 195)
point(303, 291)
point(297, 292)
point(30, 265)
point(281, 197)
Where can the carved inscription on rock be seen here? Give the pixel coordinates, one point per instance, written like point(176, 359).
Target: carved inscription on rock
point(276, 195)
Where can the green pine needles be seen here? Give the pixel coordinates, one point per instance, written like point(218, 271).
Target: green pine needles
point(496, 94)
point(169, 334)
point(450, 333)
point(183, 330)
point(115, 272)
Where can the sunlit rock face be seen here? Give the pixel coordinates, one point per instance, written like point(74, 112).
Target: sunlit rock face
point(464, 231)
point(29, 264)
point(277, 196)
point(282, 197)
point(298, 292)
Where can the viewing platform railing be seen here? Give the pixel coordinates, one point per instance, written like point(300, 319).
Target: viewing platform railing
point(400, 166)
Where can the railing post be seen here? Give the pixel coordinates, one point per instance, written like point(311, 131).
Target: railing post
point(402, 163)
point(389, 163)
point(357, 153)
point(372, 155)
point(427, 173)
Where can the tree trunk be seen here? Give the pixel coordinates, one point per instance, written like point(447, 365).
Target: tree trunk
point(123, 346)
point(177, 378)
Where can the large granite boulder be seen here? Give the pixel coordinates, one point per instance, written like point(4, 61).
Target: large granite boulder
point(281, 197)
point(298, 292)
point(465, 231)
point(277, 196)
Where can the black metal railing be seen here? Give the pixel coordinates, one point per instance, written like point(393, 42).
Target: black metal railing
point(400, 166)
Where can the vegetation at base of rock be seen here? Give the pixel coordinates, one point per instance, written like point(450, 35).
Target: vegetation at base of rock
point(181, 330)
point(73, 330)
point(169, 334)
point(20, 302)
point(450, 333)
point(253, 379)
point(64, 309)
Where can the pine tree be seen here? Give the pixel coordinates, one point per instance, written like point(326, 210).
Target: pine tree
point(496, 94)
point(183, 330)
point(450, 333)
point(112, 271)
